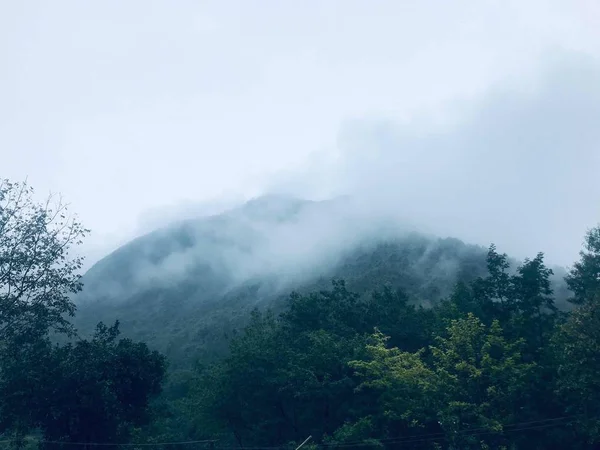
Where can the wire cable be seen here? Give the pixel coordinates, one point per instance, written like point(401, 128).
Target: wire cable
point(399, 439)
point(428, 437)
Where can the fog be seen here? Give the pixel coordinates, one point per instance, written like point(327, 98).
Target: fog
point(274, 239)
point(517, 167)
point(473, 119)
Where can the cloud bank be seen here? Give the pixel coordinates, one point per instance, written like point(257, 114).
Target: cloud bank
point(518, 167)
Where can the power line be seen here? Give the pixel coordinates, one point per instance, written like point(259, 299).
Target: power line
point(444, 437)
point(514, 427)
point(114, 444)
point(400, 439)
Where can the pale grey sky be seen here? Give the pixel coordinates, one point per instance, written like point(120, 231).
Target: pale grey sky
point(130, 107)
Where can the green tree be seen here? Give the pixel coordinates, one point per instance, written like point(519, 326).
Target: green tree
point(337, 310)
point(535, 314)
point(242, 393)
point(85, 391)
point(89, 391)
point(483, 377)
point(38, 275)
point(37, 271)
point(284, 377)
point(402, 388)
point(97, 390)
point(408, 326)
point(475, 382)
point(577, 342)
point(584, 277)
point(577, 346)
point(26, 365)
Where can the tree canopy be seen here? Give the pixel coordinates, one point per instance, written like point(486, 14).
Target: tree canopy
point(94, 390)
point(493, 365)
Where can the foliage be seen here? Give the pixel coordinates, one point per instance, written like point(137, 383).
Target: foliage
point(85, 391)
point(37, 272)
point(475, 371)
point(37, 277)
point(198, 313)
point(483, 377)
point(584, 277)
point(100, 388)
point(577, 345)
point(369, 363)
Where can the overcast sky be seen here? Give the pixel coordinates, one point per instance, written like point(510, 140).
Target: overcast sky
point(136, 110)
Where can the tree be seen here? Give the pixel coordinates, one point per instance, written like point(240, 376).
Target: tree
point(584, 277)
point(90, 391)
point(285, 376)
point(87, 391)
point(37, 277)
point(475, 382)
point(402, 388)
point(26, 368)
point(577, 347)
point(96, 390)
point(242, 393)
point(499, 278)
point(337, 310)
point(577, 342)
point(492, 294)
point(533, 314)
point(483, 380)
point(407, 326)
point(37, 271)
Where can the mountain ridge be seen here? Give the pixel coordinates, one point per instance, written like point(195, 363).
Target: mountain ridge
point(185, 287)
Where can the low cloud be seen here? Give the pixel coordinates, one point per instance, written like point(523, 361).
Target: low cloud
point(518, 167)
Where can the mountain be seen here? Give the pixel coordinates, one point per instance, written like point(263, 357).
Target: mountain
point(186, 287)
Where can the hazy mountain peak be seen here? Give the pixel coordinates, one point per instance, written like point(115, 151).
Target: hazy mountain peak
point(272, 207)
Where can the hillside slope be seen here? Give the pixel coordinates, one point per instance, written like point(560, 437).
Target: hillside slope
point(185, 288)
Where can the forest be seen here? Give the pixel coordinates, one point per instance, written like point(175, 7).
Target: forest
point(496, 364)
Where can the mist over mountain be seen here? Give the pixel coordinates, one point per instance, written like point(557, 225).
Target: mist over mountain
point(318, 225)
point(184, 287)
point(402, 202)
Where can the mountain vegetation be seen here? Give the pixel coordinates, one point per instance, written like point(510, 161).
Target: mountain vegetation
point(413, 350)
point(198, 280)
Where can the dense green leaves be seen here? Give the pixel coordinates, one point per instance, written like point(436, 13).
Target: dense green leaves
point(86, 391)
point(492, 366)
point(199, 311)
point(100, 388)
point(577, 345)
point(584, 277)
point(483, 377)
point(91, 391)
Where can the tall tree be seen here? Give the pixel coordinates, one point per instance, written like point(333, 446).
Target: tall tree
point(577, 342)
point(577, 347)
point(534, 312)
point(88, 391)
point(484, 380)
point(37, 276)
point(98, 389)
point(37, 271)
point(474, 384)
point(403, 392)
point(584, 277)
